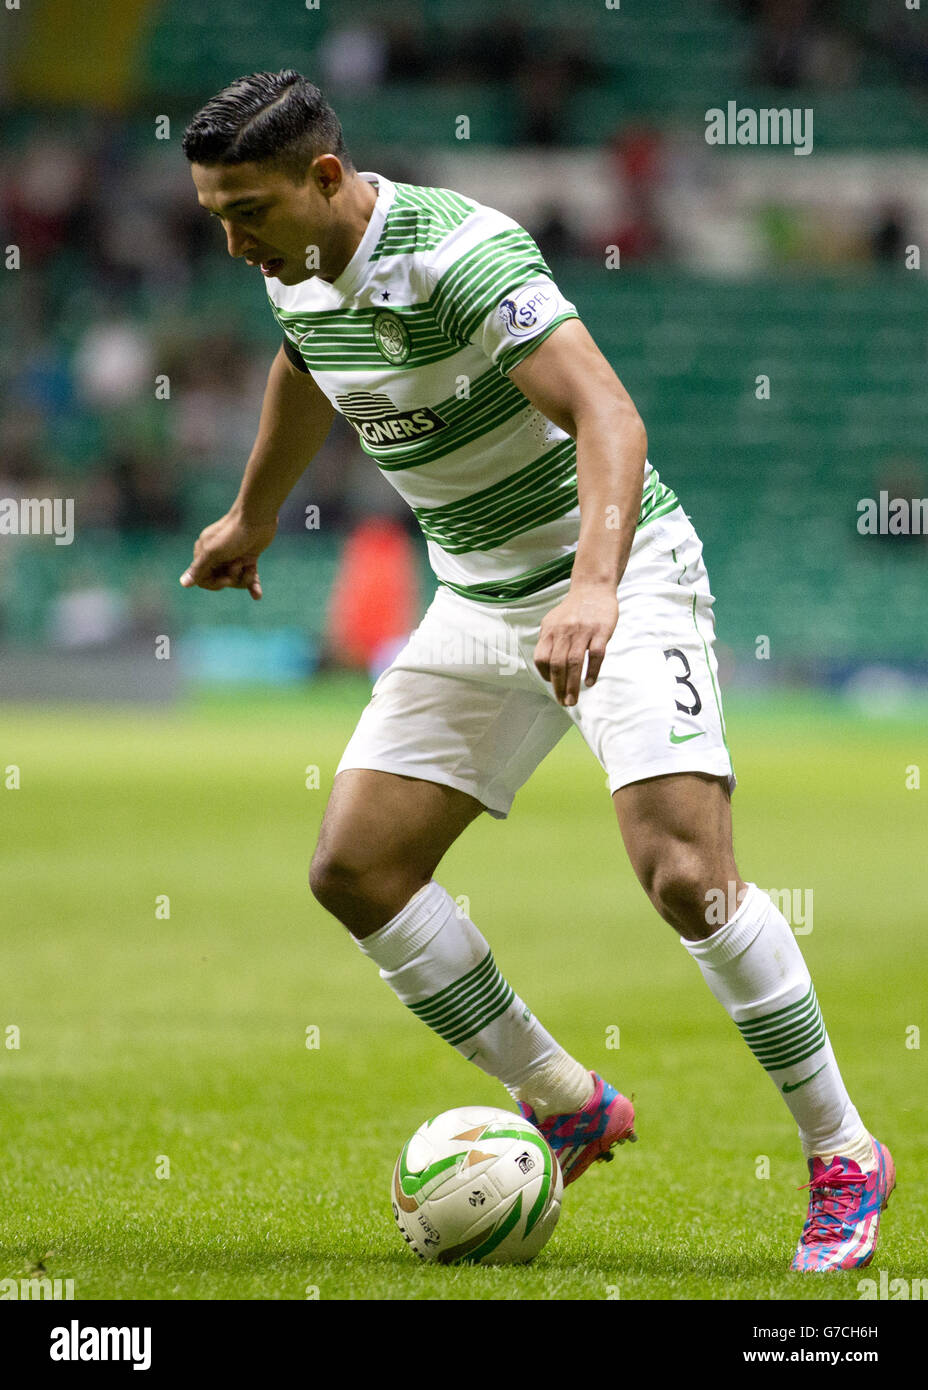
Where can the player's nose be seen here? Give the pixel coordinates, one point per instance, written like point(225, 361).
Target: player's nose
point(238, 242)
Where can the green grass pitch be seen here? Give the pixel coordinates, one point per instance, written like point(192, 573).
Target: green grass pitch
point(147, 1041)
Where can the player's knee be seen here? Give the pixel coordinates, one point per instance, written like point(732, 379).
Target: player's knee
point(360, 889)
point(677, 888)
point(333, 877)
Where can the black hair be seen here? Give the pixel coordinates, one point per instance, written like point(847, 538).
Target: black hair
point(276, 118)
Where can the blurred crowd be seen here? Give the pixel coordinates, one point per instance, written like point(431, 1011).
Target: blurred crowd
point(797, 43)
point(825, 43)
point(402, 47)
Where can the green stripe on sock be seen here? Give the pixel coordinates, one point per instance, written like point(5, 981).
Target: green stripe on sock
point(446, 999)
point(472, 1017)
point(793, 1060)
point(779, 1057)
point(469, 1004)
point(474, 1026)
point(474, 1003)
point(751, 1024)
point(786, 1036)
point(761, 1036)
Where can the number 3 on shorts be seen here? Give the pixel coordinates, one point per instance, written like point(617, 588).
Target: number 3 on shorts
point(684, 680)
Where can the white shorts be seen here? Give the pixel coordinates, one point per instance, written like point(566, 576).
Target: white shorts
point(464, 705)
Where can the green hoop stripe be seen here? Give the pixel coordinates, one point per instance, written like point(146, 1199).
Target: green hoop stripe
point(785, 1043)
point(787, 1036)
point(794, 1058)
point(419, 223)
point(554, 571)
point(661, 509)
point(474, 1022)
point(763, 1034)
point(784, 1048)
point(469, 1015)
point(493, 401)
point(542, 491)
point(462, 1009)
point(788, 1041)
point(461, 1006)
point(343, 340)
point(530, 582)
point(751, 1025)
point(787, 1027)
point(436, 1003)
point(471, 287)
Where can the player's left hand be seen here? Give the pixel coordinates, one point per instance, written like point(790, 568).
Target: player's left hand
point(581, 623)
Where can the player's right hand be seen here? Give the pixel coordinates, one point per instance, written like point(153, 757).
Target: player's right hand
point(225, 555)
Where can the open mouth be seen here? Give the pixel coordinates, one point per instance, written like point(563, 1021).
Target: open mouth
point(272, 266)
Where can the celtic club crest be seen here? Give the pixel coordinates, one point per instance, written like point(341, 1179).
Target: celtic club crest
point(391, 336)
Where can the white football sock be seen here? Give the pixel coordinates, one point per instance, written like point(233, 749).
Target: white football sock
point(755, 969)
point(439, 965)
point(559, 1087)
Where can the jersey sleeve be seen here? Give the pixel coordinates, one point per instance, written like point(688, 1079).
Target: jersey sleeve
point(501, 296)
point(292, 352)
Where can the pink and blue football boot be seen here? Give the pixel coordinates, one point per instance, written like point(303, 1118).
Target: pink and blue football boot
point(585, 1136)
point(843, 1223)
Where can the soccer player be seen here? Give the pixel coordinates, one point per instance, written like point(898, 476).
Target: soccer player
point(572, 590)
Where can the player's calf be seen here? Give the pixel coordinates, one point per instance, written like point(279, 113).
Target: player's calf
point(677, 832)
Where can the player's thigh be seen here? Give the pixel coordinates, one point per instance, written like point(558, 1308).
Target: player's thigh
point(375, 821)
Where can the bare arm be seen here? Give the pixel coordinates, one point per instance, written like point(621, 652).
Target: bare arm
point(569, 380)
point(295, 418)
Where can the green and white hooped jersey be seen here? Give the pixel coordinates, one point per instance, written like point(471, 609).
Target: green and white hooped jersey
point(412, 344)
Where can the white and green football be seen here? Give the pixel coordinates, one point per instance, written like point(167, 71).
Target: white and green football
point(477, 1186)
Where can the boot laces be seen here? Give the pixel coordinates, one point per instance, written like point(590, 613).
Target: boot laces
point(831, 1198)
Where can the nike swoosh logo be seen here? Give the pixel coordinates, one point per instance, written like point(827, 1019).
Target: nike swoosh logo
point(302, 338)
point(796, 1084)
point(684, 738)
